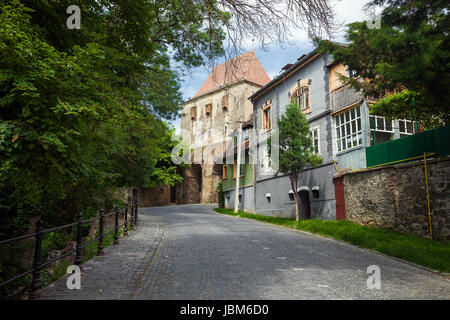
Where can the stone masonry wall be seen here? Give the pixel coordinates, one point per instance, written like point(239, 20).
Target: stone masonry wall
point(157, 196)
point(395, 197)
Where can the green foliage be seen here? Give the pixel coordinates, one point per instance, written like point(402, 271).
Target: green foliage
point(429, 253)
point(409, 51)
point(296, 145)
point(400, 106)
point(83, 111)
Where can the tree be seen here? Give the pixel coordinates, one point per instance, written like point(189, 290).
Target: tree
point(405, 62)
point(296, 147)
point(76, 119)
point(84, 110)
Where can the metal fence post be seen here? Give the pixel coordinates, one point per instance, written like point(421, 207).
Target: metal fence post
point(100, 240)
point(36, 283)
point(116, 226)
point(78, 257)
point(125, 225)
point(137, 209)
point(132, 215)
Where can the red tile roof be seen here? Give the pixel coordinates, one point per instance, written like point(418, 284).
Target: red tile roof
point(243, 67)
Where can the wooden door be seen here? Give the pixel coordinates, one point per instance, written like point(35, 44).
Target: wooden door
point(340, 198)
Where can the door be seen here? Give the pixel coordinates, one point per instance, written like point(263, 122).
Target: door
point(340, 198)
point(305, 206)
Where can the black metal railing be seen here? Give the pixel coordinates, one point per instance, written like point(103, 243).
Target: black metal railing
point(38, 265)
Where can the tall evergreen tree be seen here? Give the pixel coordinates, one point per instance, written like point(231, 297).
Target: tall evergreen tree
point(296, 151)
point(404, 62)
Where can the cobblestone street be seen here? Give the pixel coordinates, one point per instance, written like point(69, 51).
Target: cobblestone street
point(191, 252)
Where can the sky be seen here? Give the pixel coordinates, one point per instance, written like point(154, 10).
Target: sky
point(347, 11)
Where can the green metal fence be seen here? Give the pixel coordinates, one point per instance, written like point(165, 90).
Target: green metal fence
point(432, 141)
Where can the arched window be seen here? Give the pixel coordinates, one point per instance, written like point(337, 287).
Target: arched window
point(301, 96)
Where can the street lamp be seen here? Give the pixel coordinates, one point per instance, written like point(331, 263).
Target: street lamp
point(238, 165)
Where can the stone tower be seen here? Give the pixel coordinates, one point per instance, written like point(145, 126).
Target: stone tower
point(212, 114)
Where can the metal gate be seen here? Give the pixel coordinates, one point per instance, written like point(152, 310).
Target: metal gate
point(340, 198)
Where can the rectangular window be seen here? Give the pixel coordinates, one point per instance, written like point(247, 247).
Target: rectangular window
point(225, 102)
point(315, 135)
point(267, 118)
point(351, 73)
point(405, 128)
point(348, 130)
point(208, 109)
point(383, 128)
point(244, 134)
point(194, 113)
point(241, 169)
point(225, 172)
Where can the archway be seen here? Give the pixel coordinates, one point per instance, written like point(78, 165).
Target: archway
point(304, 203)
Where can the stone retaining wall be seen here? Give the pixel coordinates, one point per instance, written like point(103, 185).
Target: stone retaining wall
point(395, 197)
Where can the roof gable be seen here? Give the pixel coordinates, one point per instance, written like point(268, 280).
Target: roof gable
point(243, 67)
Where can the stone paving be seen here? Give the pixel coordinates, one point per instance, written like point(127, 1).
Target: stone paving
point(191, 252)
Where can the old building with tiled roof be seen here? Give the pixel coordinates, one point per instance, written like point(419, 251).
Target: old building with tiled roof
point(211, 116)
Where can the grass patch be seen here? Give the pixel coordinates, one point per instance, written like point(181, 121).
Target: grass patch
point(429, 253)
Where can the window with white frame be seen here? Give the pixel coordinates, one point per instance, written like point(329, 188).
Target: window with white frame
point(315, 135)
point(406, 128)
point(348, 129)
point(381, 129)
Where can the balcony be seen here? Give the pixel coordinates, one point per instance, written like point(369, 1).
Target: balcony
point(344, 97)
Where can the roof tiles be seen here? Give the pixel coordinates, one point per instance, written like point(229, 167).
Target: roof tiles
point(243, 67)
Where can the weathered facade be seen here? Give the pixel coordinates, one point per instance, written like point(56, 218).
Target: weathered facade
point(273, 194)
point(246, 172)
point(341, 128)
point(213, 113)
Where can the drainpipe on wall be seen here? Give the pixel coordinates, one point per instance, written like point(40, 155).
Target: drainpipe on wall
point(415, 119)
point(238, 167)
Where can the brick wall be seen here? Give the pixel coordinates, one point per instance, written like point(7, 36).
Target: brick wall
point(395, 197)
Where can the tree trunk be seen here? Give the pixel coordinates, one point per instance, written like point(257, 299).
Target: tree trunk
point(294, 189)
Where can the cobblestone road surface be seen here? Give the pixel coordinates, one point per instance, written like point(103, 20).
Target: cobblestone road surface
point(191, 252)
